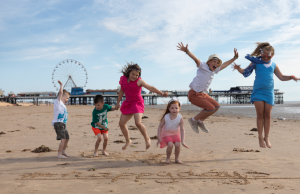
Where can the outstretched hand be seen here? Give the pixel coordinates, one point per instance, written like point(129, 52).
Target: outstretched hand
point(185, 145)
point(165, 94)
point(235, 66)
point(158, 142)
point(295, 78)
point(183, 48)
point(236, 54)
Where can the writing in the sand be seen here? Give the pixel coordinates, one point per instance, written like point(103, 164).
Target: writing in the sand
point(160, 177)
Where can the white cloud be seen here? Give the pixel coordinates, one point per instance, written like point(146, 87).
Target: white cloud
point(76, 27)
point(48, 52)
point(157, 26)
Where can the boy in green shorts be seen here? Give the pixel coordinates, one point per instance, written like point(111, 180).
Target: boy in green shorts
point(99, 123)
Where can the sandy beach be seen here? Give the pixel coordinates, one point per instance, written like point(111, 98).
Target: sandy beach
point(226, 160)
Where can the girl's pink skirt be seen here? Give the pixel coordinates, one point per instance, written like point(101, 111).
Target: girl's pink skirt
point(172, 138)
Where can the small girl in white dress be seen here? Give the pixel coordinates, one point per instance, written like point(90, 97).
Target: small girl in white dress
point(171, 131)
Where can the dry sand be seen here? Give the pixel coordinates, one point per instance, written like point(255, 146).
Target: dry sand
point(19, 104)
point(226, 160)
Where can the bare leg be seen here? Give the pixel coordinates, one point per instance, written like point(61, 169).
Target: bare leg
point(65, 147)
point(97, 144)
point(260, 108)
point(142, 128)
point(123, 120)
point(105, 137)
point(177, 152)
point(169, 152)
point(60, 149)
point(267, 123)
point(205, 114)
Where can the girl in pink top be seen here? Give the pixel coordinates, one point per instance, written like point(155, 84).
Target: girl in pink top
point(171, 131)
point(131, 84)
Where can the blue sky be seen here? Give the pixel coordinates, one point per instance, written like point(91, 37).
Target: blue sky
point(103, 35)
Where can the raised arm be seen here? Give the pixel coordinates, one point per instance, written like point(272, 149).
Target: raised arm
point(284, 77)
point(182, 133)
point(151, 88)
point(238, 67)
point(236, 55)
point(185, 49)
point(61, 90)
point(162, 123)
point(120, 96)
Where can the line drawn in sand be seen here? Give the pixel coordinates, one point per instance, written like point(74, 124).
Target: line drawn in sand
point(162, 177)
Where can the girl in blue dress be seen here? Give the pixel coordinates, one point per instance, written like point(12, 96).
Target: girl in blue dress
point(263, 88)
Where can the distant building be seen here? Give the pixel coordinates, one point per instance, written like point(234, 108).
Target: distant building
point(1, 94)
point(238, 89)
point(11, 94)
point(102, 92)
point(181, 92)
point(37, 94)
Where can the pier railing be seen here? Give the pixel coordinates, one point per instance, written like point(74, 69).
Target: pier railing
point(149, 99)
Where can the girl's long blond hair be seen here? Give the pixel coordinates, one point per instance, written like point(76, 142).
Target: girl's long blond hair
point(168, 107)
point(263, 46)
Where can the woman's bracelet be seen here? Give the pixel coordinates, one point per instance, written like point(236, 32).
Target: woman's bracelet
point(235, 57)
point(187, 51)
point(292, 76)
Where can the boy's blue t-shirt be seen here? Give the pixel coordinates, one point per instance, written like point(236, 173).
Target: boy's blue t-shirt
point(100, 116)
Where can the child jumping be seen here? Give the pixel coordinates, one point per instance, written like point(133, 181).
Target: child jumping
point(99, 123)
point(59, 121)
point(197, 94)
point(131, 84)
point(171, 131)
point(263, 89)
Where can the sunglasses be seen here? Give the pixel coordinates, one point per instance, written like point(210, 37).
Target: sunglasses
point(269, 56)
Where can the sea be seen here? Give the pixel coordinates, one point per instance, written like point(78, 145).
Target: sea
point(288, 110)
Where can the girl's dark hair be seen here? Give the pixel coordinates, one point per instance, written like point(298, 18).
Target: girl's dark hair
point(129, 67)
point(168, 107)
point(98, 98)
point(263, 46)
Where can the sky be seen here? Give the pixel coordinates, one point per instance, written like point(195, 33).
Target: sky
point(103, 35)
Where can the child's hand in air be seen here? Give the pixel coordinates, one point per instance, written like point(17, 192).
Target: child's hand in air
point(185, 145)
point(295, 78)
point(236, 54)
point(60, 83)
point(165, 94)
point(235, 66)
point(182, 47)
point(158, 142)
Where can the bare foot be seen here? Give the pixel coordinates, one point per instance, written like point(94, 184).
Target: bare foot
point(268, 144)
point(148, 143)
point(61, 157)
point(178, 161)
point(65, 154)
point(96, 154)
point(261, 143)
point(127, 144)
point(167, 161)
point(105, 154)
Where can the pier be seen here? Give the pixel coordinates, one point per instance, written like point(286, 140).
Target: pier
point(236, 95)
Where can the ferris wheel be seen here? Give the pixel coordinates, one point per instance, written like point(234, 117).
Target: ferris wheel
point(71, 73)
